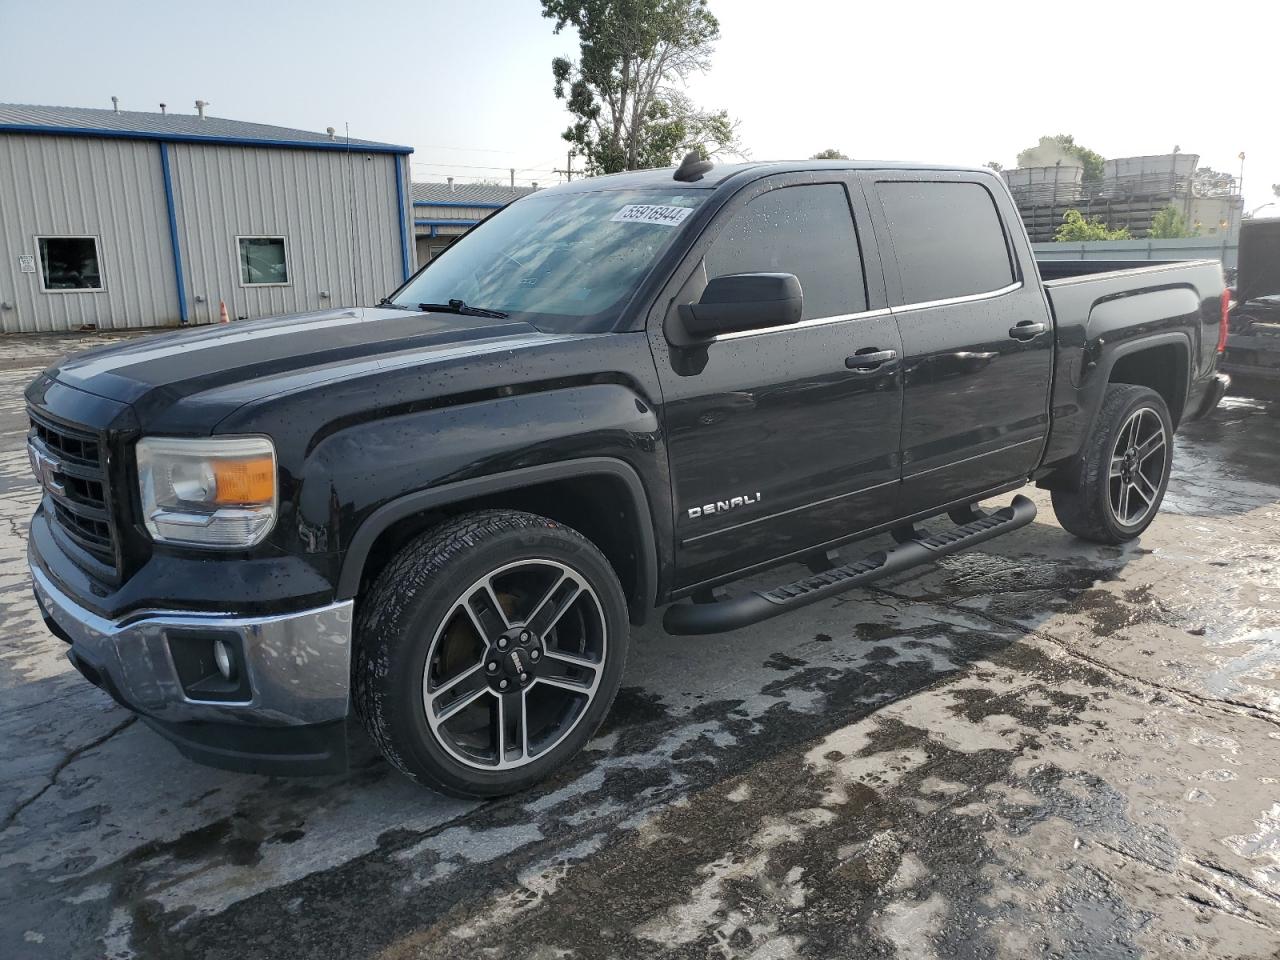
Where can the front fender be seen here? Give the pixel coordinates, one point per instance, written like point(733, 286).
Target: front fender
point(410, 504)
point(351, 480)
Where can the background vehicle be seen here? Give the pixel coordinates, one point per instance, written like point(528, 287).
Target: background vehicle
point(614, 395)
point(1252, 356)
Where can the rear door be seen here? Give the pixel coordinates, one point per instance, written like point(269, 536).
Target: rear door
point(776, 443)
point(976, 333)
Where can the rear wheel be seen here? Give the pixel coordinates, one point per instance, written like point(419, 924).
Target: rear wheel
point(1124, 469)
point(489, 651)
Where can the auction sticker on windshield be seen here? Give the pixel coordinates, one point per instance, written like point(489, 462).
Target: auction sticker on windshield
point(651, 213)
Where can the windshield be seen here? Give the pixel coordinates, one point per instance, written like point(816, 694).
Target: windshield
point(565, 262)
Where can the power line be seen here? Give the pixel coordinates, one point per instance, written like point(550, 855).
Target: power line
point(427, 146)
point(473, 166)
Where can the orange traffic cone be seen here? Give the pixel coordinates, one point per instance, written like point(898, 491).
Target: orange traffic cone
point(222, 312)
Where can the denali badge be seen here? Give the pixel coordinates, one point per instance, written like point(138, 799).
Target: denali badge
point(720, 506)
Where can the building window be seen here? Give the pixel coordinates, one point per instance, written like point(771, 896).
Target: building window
point(69, 264)
point(263, 261)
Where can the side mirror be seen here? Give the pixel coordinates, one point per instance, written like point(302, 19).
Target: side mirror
point(743, 301)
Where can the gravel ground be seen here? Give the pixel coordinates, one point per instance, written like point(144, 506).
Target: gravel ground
point(1042, 748)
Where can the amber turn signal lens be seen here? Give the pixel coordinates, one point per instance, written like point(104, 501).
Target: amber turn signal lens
point(244, 481)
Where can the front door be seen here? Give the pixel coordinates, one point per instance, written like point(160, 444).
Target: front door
point(781, 439)
point(976, 334)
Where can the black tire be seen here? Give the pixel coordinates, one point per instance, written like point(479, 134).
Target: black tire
point(1086, 507)
point(416, 606)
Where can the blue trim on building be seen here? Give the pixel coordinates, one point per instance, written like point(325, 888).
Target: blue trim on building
point(173, 233)
point(192, 138)
point(404, 220)
point(445, 223)
point(452, 203)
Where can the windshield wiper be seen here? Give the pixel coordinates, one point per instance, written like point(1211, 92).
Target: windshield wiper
point(460, 306)
point(388, 302)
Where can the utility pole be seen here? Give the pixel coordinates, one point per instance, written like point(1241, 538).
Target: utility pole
point(513, 178)
point(568, 171)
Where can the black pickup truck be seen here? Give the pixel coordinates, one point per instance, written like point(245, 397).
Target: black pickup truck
point(443, 512)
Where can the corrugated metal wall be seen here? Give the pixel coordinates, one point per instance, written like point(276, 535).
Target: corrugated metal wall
point(451, 213)
point(433, 234)
point(337, 211)
point(111, 189)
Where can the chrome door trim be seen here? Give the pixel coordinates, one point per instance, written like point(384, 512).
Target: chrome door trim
point(950, 301)
point(811, 322)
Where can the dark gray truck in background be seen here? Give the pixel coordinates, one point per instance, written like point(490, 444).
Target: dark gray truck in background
point(1252, 347)
point(443, 512)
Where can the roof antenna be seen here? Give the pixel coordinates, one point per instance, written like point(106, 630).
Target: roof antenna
point(692, 168)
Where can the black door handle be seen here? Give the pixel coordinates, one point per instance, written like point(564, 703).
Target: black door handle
point(869, 358)
point(1027, 330)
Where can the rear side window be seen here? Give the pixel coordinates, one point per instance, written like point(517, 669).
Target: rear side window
point(806, 230)
point(948, 239)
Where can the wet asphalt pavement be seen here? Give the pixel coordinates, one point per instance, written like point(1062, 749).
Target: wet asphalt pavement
point(1043, 748)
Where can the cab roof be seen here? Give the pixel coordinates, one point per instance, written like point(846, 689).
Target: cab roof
point(722, 173)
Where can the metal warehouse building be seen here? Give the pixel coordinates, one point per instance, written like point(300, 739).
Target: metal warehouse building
point(125, 219)
point(442, 212)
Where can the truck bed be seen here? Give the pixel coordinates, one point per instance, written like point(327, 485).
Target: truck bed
point(1054, 270)
point(1100, 306)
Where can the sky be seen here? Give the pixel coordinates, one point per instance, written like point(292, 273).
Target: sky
point(467, 83)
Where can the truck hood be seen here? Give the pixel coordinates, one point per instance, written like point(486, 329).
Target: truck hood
point(171, 366)
point(1259, 274)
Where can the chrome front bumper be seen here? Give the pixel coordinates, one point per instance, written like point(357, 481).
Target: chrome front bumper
point(298, 664)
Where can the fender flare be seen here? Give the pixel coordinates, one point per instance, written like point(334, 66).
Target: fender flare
point(1121, 350)
point(383, 517)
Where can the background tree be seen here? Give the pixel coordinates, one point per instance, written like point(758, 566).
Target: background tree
point(995, 165)
point(1076, 228)
point(1064, 148)
point(624, 90)
point(1170, 224)
point(831, 153)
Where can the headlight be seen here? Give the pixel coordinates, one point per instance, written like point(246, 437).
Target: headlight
point(210, 492)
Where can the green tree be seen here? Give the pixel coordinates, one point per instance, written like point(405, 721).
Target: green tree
point(624, 90)
point(1170, 224)
point(1064, 147)
point(995, 165)
point(831, 153)
point(1077, 228)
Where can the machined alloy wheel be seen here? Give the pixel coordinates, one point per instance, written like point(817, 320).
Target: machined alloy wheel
point(515, 664)
point(1138, 466)
point(488, 651)
point(1112, 491)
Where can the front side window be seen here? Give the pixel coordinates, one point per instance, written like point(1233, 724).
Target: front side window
point(947, 237)
point(69, 263)
point(263, 260)
point(805, 230)
point(564, 262)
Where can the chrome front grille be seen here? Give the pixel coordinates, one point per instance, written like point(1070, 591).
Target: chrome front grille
point(74, 478)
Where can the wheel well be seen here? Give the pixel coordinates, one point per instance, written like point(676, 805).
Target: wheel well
point(1163, 368)
point(598, 506)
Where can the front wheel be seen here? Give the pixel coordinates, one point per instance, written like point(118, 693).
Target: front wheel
point(1123, 470)
point(489, 650)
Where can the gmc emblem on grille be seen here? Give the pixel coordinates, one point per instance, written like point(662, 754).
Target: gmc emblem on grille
point(46, 470)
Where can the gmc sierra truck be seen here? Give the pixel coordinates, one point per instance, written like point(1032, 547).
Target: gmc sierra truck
point(443, 512)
